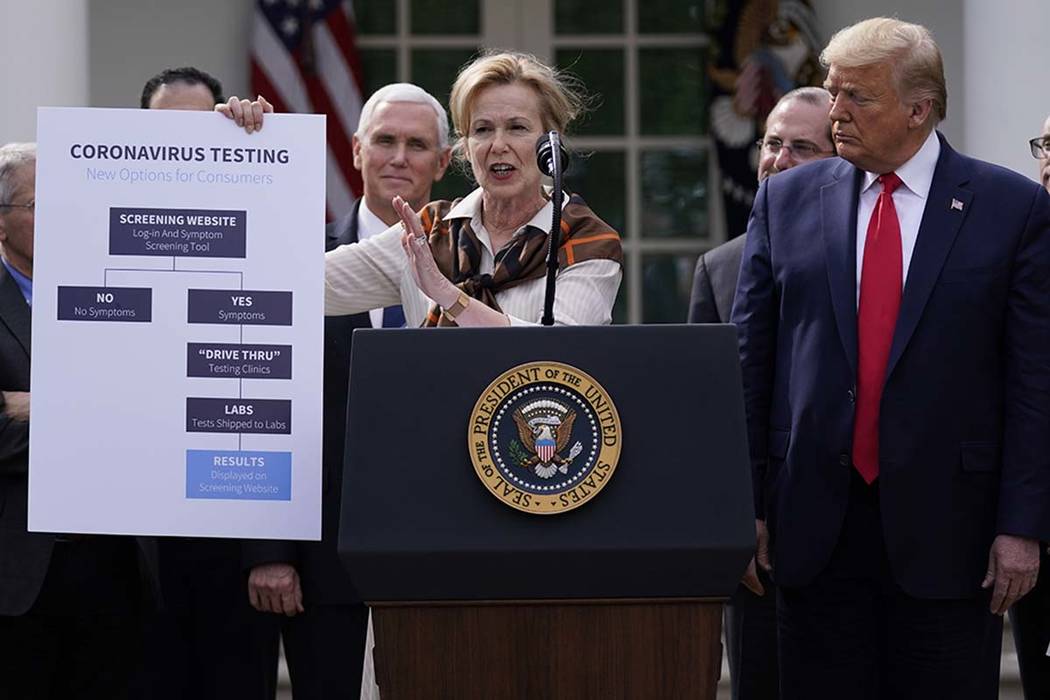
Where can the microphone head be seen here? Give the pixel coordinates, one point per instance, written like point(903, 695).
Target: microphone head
point(545, 149)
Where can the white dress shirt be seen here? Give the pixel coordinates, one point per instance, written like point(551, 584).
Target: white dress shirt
point(374, 273)
point(909, 199)
point(369, 225)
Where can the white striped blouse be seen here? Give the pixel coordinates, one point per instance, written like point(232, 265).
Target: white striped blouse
point(374, 273)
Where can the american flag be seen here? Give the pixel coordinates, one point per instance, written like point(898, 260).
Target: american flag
point(304, 60)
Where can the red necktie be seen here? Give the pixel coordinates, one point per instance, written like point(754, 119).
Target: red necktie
point(880, 299)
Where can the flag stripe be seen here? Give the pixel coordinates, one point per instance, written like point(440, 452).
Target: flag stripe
point(278, 65)
point(309, 64)
point(338, 82)
point(338, 140)
point(261, 85)
point(343, 33)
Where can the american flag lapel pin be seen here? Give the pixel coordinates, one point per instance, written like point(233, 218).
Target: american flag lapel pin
point(956, 205)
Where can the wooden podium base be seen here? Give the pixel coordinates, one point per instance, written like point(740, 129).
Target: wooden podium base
point(532, 650)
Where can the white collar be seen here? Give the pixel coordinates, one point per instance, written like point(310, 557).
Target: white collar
point(917, 173)
point(368, 224)
point(470, 208)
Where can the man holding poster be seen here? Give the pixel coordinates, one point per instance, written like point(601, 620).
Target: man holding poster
point(201, 578)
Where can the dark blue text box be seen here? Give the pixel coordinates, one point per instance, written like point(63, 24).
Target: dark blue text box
point(185, 233)
point(207, 415)
point(239, 360)
point(117, 304)
point(237, 307)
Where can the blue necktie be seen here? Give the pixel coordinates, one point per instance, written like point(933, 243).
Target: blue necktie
point(393, 317)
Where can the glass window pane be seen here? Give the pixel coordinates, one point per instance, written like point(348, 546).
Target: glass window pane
point(445, 16)
point(671, 17)
point(380, 68)
point(435, 69)
point(674, 193)
point(667, 280)
point(672, 91)
point(371, 17)
point(600, 180)
point(588, 16)
point(602, 73)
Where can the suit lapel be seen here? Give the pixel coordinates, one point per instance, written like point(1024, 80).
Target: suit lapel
point(351, 229)
point(838, 205)
point(937, 232)
point(14, 311)
point(345, 229)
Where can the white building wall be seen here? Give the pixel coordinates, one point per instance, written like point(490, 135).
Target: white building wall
point(44, 54)
point(133, 40)
point(1006, 63)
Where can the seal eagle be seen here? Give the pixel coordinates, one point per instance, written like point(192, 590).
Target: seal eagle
point(546, 437)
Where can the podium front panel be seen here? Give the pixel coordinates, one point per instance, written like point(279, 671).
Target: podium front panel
point(674, 520)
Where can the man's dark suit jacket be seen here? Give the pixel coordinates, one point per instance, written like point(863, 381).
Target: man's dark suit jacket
point(965, 414)
point(714, 283)
point(324, 580)
point(24, 555)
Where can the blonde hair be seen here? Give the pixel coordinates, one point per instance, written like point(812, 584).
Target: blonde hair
point(913, 55)
point(561, 96)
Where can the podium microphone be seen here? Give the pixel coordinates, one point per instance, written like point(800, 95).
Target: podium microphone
point(546, 147)
point(552, 159)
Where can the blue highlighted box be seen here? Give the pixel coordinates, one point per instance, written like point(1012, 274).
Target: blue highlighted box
point(239, 475)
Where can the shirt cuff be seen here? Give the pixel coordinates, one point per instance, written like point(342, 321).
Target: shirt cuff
point(515, 321)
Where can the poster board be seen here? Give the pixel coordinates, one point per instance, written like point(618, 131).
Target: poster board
point(177, 325)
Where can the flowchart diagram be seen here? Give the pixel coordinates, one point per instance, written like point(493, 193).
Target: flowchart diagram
point(187, 234)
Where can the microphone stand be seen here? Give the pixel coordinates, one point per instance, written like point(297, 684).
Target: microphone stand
point(554, 239)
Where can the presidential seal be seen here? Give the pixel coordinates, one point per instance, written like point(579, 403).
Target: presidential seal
point(544, 437)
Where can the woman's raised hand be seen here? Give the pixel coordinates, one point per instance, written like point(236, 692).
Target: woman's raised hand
point(420, 259)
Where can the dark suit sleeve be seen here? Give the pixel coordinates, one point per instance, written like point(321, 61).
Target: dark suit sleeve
point(1024, 497)
point(258, 552)
point(702, 308)
point(14, 443)
point(756, 317)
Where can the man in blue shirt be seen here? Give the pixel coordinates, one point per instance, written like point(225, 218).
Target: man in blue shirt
point(70, 605)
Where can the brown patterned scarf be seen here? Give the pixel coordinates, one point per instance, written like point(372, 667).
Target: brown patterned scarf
point(584, 237)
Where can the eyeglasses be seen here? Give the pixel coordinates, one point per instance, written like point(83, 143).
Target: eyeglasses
point(30, 205)
point(1040, 147)
point(803, 150)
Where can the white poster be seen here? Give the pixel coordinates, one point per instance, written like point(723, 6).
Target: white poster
point(178, 300)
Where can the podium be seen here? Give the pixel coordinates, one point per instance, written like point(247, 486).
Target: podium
point(619, 597)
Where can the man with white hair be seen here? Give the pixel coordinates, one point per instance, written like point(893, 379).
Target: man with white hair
point(401, 148)
point(897, 386)
point(71, 606)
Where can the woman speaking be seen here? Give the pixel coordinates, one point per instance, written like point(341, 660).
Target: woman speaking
point(500, 104)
